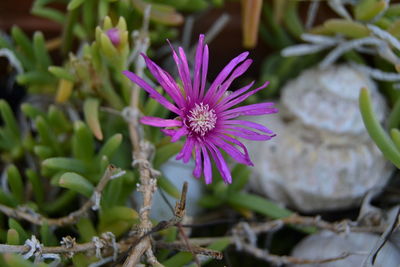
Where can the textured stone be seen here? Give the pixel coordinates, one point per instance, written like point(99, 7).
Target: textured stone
point(329, 245)
point(322, 158)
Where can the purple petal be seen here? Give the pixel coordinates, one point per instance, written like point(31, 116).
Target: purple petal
point(221, 163)
point(236, 73)
point(224, 74)
point(181, 132)
point(158, 122)
point(197, 170)
point(169, 132)
point(186, 151)
point(183, 70)
point(237, 142)
point(197, 65)
point(241, 98)
point(233, 151)
point(153, 93)
point(250, 124)
point(237, 93)
point(246, 134)
point(204, 72)
point(250, 110)
point(207, 166)
point(164, 80)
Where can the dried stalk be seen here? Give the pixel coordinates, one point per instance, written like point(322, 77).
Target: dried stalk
point(280, 260)
point(141, 154)
point(179, 213)
point(193, 249)
point(298, 220)
point(71, 218)
point(239, 237)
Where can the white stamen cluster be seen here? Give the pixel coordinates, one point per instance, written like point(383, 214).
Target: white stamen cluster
point(202, 119)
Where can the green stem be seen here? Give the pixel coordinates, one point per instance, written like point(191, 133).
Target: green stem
point(394, 116)
point(375, 130)
point(68, 31)
point(395, 133)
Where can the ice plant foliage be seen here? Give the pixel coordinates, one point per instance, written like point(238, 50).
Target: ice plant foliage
point(208, 118)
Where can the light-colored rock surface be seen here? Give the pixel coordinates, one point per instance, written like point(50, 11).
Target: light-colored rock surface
point(322, 157)
point(328, 99)
point(329, 245)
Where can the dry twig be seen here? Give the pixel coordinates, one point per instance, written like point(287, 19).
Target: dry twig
point(141, 154)
point(280, 260)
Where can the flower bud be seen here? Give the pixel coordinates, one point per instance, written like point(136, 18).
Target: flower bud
point(114, 36)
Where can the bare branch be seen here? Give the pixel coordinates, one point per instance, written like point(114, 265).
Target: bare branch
point(193, 249)
point(280, 260)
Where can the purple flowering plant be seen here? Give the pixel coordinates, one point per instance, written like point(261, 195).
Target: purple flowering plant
point(207, 118)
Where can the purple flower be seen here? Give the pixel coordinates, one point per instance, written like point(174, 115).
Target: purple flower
point(208, 118)
point(114, 36)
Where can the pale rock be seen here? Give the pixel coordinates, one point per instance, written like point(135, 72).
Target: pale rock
point(322, 157)
point(326, 245)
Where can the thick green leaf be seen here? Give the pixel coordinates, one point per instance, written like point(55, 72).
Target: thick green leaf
point(117, 213)
point(37, 186)
point(7, 199)
point(61, 73)
point(16, 184)
point(13, 224)
point(111, 146)
point(77, 183)
point(43, 152)
point(65, 164)
point(366, 10)
point(89, 18)
point(47, 236)
point(74, 4)
point(57, 119)
point(91, 113)
point(160, 13)
point(23, 42)
point(86, 230)
point(292, 19)
point(60, 203)
point(258, 204)
point(82, 142)
point(47, 136)
point(49, 13)
point(42, 56)
point(9, 119)
point(31, 111)
point(346, 27)
point(12, 237)
point(15, 260)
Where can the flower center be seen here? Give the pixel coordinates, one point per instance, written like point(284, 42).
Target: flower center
point(202, 119)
